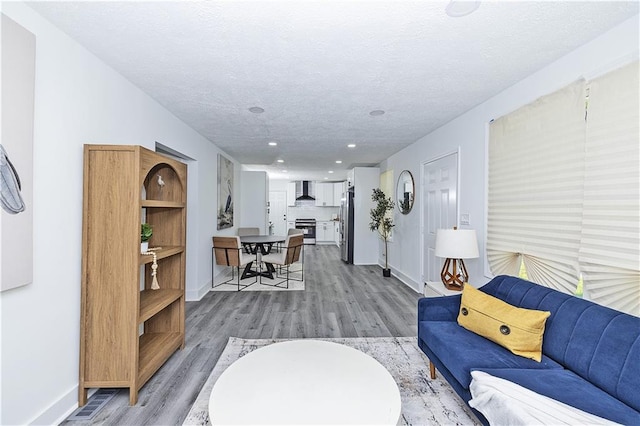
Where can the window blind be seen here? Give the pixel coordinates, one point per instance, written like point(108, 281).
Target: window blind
point(564, 190)
point(536, 174)
point(609, 254)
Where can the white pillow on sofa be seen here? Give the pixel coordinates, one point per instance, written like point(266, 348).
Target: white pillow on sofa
point(506, 403)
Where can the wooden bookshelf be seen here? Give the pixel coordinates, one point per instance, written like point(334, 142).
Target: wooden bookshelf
point(127, 330)
point(153, 301)
point(157, 203)
point(165, 251)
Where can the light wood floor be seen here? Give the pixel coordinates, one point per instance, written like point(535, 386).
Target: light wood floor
point(340, 300)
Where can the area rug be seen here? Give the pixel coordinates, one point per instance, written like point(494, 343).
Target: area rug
point(267, 283)
point(424, 401)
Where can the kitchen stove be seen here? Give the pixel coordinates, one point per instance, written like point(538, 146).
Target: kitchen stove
point(308, 227)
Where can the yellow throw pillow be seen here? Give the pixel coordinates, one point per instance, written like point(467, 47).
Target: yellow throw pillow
point(517, 329)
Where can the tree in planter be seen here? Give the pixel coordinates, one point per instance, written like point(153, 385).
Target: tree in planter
point(381, 222)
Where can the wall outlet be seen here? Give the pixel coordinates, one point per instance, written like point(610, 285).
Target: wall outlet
point(465, 219)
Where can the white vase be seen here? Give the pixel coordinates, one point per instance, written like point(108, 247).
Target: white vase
point(144, 246)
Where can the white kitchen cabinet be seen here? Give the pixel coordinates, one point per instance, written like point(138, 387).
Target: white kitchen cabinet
point(324, 194)
point(336, 236)
point(338, 191)
point(291, 194)
point(325, 232)
point(321, 228)
point(331, 233)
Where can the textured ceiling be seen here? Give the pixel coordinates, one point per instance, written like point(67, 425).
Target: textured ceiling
point(319, 67)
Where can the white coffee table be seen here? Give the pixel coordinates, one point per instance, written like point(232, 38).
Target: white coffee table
point(305, 382)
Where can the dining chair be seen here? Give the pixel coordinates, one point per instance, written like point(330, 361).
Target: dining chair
point(290, 231)
point(289, 254)
point(296, 231)
point(248, 248)
point(227, 251)
point(248, 231)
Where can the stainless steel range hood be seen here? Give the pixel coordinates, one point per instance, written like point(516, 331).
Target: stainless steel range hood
point(305, 190)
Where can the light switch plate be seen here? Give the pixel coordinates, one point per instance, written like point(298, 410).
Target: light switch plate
point(465, 219)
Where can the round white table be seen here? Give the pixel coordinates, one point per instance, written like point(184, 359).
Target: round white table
point(305, 382)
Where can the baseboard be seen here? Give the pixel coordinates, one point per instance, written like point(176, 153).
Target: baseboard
point(406, 280)
point(199, 293)
point(57, 412)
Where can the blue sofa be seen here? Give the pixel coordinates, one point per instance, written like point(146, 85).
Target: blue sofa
point(590, 353)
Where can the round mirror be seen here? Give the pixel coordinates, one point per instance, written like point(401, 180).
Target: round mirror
point(405, 192)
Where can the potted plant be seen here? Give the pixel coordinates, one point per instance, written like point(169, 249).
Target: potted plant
point(381, 222)
point(145, 233)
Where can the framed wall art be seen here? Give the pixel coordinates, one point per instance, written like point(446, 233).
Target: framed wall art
point(16, 155)
point(225, 192)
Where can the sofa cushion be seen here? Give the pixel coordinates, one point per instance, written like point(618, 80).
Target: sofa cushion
point(517, 329)
point(462, 351)
point(567, 387)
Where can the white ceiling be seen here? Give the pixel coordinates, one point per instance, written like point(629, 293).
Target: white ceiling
point(319, 67)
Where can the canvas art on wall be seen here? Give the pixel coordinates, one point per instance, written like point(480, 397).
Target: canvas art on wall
point(16, 159)
point(225, 192)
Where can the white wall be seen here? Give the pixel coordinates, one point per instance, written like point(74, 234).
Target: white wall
point(254, 196)
point(278, 185)
point(365, 240)
point(78, 100)
point(468, 132)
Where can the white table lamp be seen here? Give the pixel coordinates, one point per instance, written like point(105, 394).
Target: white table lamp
point(455, 245)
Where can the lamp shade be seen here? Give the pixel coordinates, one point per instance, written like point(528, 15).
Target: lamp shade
point(456, 243)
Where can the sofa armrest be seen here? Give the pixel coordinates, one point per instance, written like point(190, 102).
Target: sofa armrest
point(439, 308)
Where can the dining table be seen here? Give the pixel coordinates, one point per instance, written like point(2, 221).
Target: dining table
point(260, 245)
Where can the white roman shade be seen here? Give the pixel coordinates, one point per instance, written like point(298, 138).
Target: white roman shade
point(564, 190)
point(536, 173)
point(609, 253)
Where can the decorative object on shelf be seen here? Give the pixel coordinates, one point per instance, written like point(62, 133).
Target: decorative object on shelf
point(381, 222)
point(154, 267)
point(405, 192)
point(455, 245)
point(160, 182)
point(225, 192)
point(145, 233)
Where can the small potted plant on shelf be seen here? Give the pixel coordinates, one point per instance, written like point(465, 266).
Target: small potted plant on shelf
point(381, 222)
point(145, 233)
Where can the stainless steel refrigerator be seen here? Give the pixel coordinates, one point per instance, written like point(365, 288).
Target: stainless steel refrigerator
point(346, 226)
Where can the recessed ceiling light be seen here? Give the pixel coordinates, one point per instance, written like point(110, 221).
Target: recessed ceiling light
point(338, 161)
point(376, 112)
point(351, 145)
point(326, 178)
point(330, 171)
point(256, 110)
point(273, 143)
point(458, 8)
point(285, 171)
point(280, 161)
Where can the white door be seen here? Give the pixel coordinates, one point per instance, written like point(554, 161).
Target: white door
point(278, 211)
point(439, 208)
